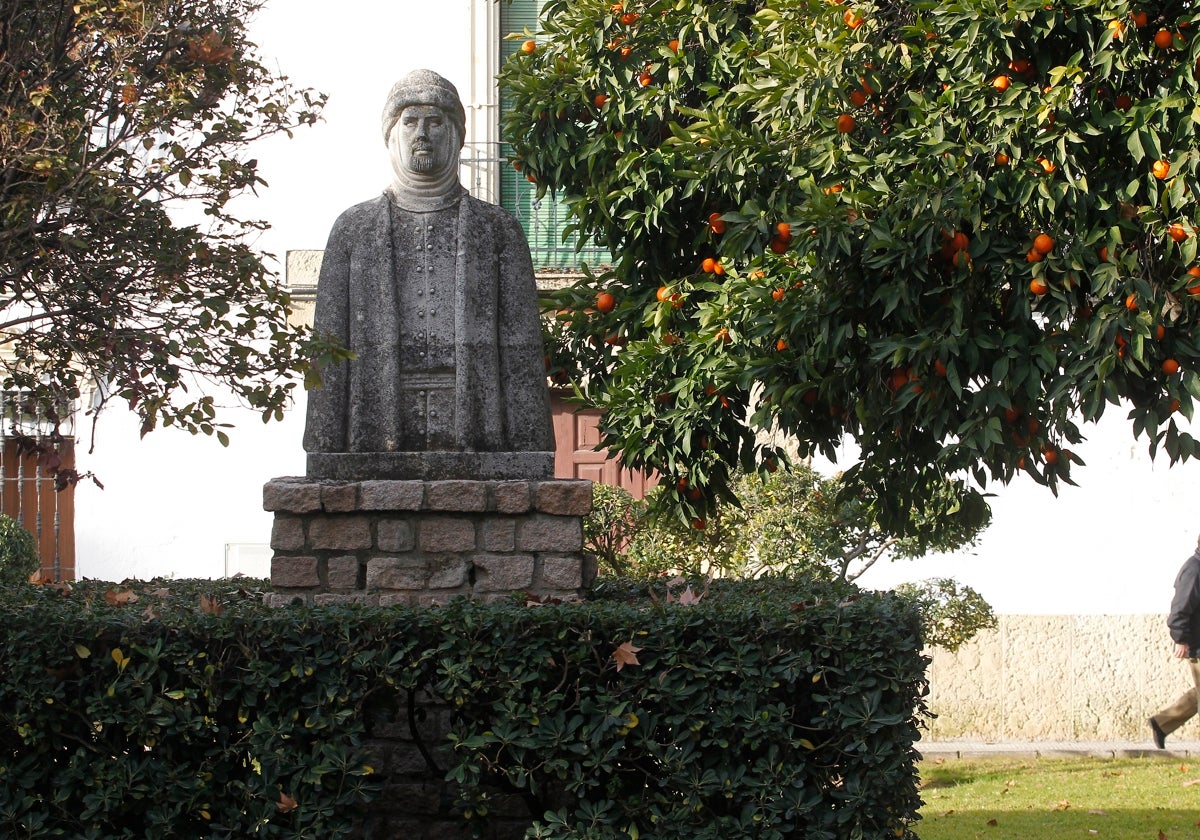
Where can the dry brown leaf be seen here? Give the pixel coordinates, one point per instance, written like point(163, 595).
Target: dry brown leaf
point(626, 654)
point(286, 804)
point(1062, 805)
point(210, 50)
point(1162, 835)
point(120, 597)
point(992, 822)
point(211, 605)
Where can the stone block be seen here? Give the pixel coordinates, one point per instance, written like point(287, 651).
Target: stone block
point(543, 532)
point(565, 498)
point(339, 498)
point(342, 572)
point(561, 573)
point(391, 495)
point(498, 533)
point(503, 572)
point(294, 572)
point(394, 535)
point(469, 496)
point(287, 533)
point(446, 534)
point(448, 573)
point(282, 599)
point(339, 533)
point(292, 496)
point(395, 599)
point(332, 598)
point(512, 496)
point(408, 573)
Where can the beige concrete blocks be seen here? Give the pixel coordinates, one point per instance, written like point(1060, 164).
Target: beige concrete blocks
point(424, 542)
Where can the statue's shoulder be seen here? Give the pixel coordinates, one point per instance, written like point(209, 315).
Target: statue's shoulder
point(354, 218)
point(493, 214)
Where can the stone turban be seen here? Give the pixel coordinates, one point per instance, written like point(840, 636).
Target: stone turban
point(424, 87)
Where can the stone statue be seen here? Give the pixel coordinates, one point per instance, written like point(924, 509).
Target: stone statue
point(433, 291)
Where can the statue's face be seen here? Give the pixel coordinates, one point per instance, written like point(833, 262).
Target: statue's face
point(423, 141)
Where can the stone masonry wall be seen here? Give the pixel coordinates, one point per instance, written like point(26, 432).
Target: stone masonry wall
point(423, 542)
point(1058, 678)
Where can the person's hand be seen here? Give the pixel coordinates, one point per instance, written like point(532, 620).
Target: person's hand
point(1181, 651)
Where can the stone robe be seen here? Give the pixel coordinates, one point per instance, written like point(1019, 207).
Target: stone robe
point(500, 400)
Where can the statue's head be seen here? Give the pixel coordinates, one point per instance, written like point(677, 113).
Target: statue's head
point(424, 125)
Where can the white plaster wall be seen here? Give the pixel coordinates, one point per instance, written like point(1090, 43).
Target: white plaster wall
point(1057, 678)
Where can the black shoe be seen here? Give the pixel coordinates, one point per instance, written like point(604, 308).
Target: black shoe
point(1160, 737)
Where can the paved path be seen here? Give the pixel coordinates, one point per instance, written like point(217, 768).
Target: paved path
point(1177, 748)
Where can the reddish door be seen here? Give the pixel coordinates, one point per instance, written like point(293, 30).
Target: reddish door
point(27, 494)
point(576, 436)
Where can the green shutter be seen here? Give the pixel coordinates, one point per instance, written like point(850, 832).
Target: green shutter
point(543, 221)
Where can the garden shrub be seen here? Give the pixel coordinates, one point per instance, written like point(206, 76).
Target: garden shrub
point(18, 553)
point(769, 709)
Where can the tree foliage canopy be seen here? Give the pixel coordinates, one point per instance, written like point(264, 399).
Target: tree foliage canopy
point(954, 232)
point(120, 121)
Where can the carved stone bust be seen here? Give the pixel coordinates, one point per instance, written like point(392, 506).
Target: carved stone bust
point(433, 291)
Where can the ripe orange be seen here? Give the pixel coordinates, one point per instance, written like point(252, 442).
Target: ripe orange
point(709, 265)
point(781, 345)
point(846, 123)
point(1020, 65)
point(1174, 406)
point(858, 98)
point(1161, 169)
point(777, 294)
point(1102, 252)
point(1038, 286)
point(663, 293)
point(1139, 19)
point(836, 188)
point(718, 269)
point(1043, 243)
point(1160, 332)
point(1047, 165)
point(673, 45)
point(1117, 27)
point(784, 230)
point(1001, 83)
point(629, 18)
point(1194, 285)
point(1163, 39)
point(852, 20)
point(939, 367)
point(1123, 102)
point(1131, 302)
point(645, 80)
point(529, 47)
point(779, 245)
point(600, 99)
point(605, 302)
point(723, 335)
point(1050, 454)
point(699, 524)
point(1177, 232)
point(1170, 367)
point(959, 241)
point(1034, 255)
point(1001, 159)
point(716, 223)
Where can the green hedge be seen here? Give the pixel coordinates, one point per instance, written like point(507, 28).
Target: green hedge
point(769, 709)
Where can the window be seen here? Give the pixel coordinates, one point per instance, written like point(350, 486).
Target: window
point(542, 220)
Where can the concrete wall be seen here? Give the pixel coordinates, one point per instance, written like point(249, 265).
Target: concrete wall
point(1057, 678)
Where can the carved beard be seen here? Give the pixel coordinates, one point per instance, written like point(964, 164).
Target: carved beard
point(421, 163)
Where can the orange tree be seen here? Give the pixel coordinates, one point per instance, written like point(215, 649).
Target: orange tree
point(124, 134)
point(954, 232)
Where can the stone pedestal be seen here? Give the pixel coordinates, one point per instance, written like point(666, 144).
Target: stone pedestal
point(424, 542)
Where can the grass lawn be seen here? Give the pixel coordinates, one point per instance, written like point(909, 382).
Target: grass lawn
point(1040, 799)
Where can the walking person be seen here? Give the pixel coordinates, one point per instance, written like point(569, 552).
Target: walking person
point(1184, 624)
